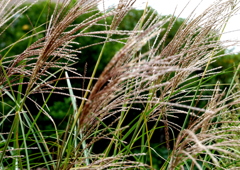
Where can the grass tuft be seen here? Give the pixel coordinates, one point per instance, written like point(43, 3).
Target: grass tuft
point(149, 89)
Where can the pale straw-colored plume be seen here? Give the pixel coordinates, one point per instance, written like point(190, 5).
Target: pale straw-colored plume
point(148, 77)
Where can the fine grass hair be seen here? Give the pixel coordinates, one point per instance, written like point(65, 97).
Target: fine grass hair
point(150, 89)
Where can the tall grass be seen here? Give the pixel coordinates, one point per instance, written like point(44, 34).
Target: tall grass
point(140, 95)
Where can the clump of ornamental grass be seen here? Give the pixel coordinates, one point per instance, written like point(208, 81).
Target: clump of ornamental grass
point(163, 83)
